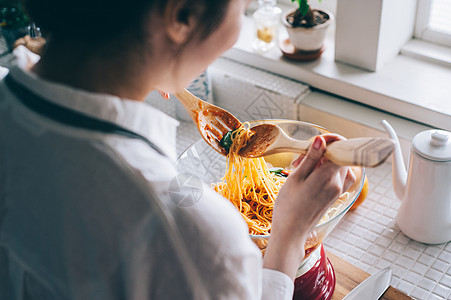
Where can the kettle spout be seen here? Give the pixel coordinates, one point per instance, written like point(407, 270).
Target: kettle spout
point(399, 169)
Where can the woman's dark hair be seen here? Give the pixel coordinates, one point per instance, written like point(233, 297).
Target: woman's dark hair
point(101, 20)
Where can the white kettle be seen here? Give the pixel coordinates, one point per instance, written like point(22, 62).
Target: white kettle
point(425, 189)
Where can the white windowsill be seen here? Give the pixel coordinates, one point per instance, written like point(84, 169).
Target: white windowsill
point(407, 86)
point(428, 51)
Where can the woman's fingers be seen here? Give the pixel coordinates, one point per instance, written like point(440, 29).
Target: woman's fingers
point(311, 160)
point(350, 179)
point(328, 138)
point(332, 137)
point(298, 160)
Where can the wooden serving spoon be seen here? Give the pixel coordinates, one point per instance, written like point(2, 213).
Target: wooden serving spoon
point(212, 121)
point(271, 139)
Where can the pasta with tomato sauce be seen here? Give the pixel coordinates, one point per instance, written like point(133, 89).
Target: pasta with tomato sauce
point(252, 186)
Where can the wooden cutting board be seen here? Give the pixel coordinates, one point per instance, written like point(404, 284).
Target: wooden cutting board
point(349, 276)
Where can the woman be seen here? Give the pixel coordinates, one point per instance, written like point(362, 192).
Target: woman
point(85, 165)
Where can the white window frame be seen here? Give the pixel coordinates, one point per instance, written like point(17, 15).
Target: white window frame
point(421, 27)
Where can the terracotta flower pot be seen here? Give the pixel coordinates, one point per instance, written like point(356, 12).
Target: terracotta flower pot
point(308, 39)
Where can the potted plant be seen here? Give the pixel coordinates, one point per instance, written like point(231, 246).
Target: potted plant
point(307, 28)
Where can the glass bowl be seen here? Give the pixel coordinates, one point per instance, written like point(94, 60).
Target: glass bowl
point(203, 161)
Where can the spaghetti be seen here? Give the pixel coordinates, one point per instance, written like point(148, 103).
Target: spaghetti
point(249, 185)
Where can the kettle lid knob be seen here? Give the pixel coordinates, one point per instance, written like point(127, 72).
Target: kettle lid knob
point(433, 145)
point(439, 138)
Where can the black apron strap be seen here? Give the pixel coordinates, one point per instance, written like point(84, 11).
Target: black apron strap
point(68, 116)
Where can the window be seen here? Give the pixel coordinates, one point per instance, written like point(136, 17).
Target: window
point(434, 21)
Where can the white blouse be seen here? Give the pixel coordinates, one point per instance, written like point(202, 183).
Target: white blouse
point(87, 215)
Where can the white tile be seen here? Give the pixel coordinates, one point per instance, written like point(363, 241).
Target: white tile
point(385, 201)
point(338, 232)
point(351, 239)
point(387, 182)
point(383, 241)
point(440, 266)
point(377, 228)
point(364, 223)
point(376, 249)
point(420, 268)
point(344, 246)
point(369, 258)
point(395, 281)
point(385, 221)
point(351, 260)
point(382, 263)
point(331, 240)
point(390, 213)
point(405, 287)
point(341, 253)
point(359, 231)
point(379, 208)
point(417, 246)
point(403, 239)
point(412, 277)
point(396, 227)
point(434, 297)
point(362, 266)
point(347, 225)
point(373, 197)
point(390, 233)
point(433, 275)
point(426, 259)
point(441, 290)
point(356, 253)
point(362, 234)
point(379, 190)
point(398, 247)
point(354, 218)
point(411, 253)
point(405, 262)
point(391, 256)
point(370, 236)
point(391, 194)
point(372, 216)
point(363, 244)
point(433, 251)
point(398, 271)
point(419, 293)
point(446, 281)
point(445, 256)
point(395, 205)
point(427, 284)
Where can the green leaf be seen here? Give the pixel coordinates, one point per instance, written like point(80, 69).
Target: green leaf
point(303, 7)
point(226, 141)
point(275, 170)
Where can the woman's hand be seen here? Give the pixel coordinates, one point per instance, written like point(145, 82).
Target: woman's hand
point(311, 188)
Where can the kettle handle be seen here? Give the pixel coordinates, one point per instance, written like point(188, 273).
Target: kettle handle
point(398, 167)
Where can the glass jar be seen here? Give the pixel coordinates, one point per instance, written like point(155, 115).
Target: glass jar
point(266, 22)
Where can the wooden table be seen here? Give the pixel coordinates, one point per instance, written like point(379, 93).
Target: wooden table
point(349, 276)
